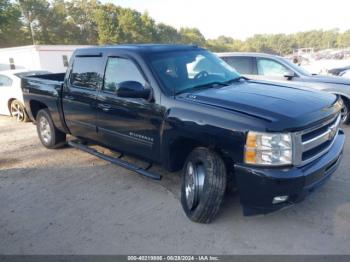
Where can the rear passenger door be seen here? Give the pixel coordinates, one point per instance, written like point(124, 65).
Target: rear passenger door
point(130, 125)
point(79, 95)
point(244, 65)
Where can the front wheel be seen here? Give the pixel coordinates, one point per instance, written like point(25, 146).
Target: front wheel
point(203, 185)
point(49, 135)
point(345, 112)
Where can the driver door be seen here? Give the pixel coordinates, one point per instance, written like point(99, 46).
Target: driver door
point(129, 125)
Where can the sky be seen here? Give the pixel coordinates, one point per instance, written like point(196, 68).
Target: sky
point(243, 18)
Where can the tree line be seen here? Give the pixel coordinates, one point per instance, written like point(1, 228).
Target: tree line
point(89, 22)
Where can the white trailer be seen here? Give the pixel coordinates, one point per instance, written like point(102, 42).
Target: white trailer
point(53, 58)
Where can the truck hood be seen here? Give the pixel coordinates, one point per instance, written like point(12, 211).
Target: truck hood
point(268, 101)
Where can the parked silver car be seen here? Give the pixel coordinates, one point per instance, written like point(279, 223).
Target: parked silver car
point(275, 68)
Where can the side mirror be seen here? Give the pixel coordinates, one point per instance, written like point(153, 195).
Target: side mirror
point(132, 89)
point(289, 74)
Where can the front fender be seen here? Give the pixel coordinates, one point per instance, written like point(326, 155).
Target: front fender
point(183, 128)
point(336, 89)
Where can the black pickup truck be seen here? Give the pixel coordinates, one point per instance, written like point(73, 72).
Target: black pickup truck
point(184, 108)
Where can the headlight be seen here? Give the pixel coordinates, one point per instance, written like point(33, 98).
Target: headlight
point(268, 149)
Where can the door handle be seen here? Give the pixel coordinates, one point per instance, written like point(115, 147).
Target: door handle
point(104, 107)
point(69, 97)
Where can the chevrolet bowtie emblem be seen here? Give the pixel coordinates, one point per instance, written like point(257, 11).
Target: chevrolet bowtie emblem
point(332, 131)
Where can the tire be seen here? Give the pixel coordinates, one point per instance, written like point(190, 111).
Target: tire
point(48, 134)
point(18, 111)
point(203, 185)
point(345, 112)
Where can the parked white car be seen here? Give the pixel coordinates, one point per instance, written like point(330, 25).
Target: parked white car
point(11, 97)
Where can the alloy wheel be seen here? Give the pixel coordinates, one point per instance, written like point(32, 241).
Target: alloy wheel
point(17, 111)
point(194, 181)
point(45, 130)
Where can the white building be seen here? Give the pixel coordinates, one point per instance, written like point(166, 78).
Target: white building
point(53, 58)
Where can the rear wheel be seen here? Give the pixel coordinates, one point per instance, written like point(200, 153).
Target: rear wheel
point(18, 111)
point(203, 185)
point(49, 135)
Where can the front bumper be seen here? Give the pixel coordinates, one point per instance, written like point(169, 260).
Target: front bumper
point(258, 185)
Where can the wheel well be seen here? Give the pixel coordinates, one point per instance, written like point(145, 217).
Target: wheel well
point(345, 99)
point(179, 151)
point(9, 103)
point(182, 147)
point(35, 106)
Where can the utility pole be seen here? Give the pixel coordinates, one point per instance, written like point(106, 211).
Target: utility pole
point(27, 14)
point(32, 31)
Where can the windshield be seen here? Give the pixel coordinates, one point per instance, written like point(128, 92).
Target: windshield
point(186, 70)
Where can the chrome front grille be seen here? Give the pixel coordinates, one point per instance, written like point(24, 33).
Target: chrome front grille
point(312, 143)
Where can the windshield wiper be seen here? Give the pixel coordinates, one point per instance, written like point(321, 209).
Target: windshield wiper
point(208, 85)
point(236, 79)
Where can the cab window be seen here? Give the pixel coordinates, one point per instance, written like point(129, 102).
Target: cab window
point(119, 70)
point(85, 72)
point(244, 65)
point(268, 67)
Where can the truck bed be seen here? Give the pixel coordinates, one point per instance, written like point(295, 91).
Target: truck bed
point(40, 84)
point(53, 77)
point(44, 90)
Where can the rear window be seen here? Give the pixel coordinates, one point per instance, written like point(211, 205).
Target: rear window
point(244, 65)
point(85, 72)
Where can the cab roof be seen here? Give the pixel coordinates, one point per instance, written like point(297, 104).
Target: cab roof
point(253, 54)
point(136, 48)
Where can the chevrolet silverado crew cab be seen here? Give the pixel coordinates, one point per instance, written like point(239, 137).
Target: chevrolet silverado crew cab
point(184, 108)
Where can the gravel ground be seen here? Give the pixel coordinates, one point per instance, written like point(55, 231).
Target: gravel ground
point(69, 202)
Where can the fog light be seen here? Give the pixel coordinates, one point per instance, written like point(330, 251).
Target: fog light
point(279, 199)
